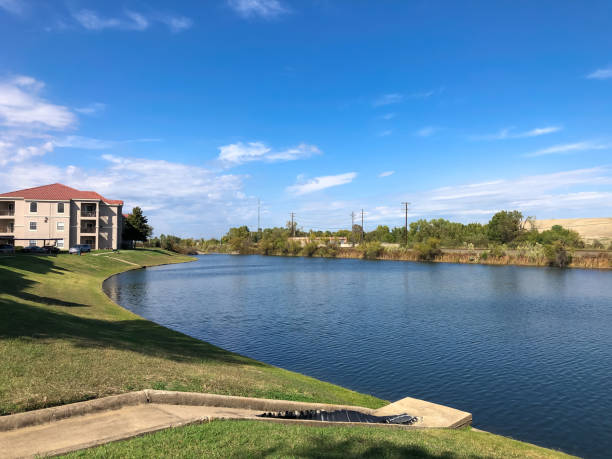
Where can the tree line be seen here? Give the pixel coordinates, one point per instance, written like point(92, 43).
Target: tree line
point(507, 230)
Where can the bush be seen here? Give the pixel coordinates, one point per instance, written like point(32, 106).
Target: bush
point(429, 249)
point(497, 251)
point(310, 249)
point(557, 255)
point(372, 250)
point(484, 255)
point(329, 251)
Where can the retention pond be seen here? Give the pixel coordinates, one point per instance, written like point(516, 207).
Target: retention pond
point(528, 351)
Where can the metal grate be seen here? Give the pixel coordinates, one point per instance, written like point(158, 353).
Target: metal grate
point(341, 416)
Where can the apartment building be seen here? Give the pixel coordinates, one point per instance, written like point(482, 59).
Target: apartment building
point(28, 217)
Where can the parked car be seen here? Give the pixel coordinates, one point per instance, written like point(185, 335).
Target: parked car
point(33, 249)
point(80, 248)
point(51, 249)
point(7, 248)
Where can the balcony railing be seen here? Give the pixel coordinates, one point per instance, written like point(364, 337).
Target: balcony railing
point(88, 229)
point(7, 212)
point(88, 213)
point(7, 229)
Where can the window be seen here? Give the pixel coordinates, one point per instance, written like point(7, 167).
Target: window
point(33, 207)
point(32, 226)
point(60, 226)
point(60, 207)
point(60, 244)
point(34, 242)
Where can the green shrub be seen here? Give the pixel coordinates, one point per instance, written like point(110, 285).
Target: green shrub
point(329, 251)
point(372, 250)
point(497, 251)
point(429, 249)
point(484, 255)
point(310, 249)
point(557, 255)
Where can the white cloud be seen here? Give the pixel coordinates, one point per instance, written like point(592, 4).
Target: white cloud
point(11, 153)
point(131, 20)
point(540, 131)
point(87, 143)
point(386, 173)
point(21, 106)
point(422, 95)
point(176, 23)
point(568, 148)
point(12, 6)
point(601, 74)
point(426, 131)
point(507, 133)
point(388, 116)
point(91, 109)
point(388, 99)
point(396, 97)
point(385, 133)
point(92, 21)
point(321, 183)
point(239, 153)
point(266, 9)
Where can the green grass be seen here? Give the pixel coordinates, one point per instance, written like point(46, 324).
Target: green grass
point(62, 340)
point(225, 439)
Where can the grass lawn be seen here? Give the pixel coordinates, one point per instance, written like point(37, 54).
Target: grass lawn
point(62, 340)
point(259, 439)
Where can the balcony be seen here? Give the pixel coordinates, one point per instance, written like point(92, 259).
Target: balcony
point(88, 229)
point(7, 209)
point(7, 228)
point(88, 213)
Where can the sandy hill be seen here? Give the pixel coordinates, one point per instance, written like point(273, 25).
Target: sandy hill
point(588, 228)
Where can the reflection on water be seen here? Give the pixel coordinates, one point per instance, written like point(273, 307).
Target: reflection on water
point(527, 350)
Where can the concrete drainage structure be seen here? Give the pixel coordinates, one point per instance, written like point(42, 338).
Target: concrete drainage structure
point(66, 428)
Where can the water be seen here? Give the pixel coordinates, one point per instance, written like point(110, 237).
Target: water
point(528, 351)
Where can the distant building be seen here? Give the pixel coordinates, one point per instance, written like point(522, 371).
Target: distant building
point(321, 240)
point(60, 212)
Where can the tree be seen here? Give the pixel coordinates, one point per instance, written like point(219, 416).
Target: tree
point(505, 226)
point(136, 227)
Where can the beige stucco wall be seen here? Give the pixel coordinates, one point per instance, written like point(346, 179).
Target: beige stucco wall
point(110, 237)
point(46, 218)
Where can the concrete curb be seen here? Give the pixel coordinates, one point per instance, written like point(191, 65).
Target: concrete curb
point(56, 413)
point(162, 397)
point(249, 403)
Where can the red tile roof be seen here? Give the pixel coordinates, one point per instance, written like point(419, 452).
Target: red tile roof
point(57, 192)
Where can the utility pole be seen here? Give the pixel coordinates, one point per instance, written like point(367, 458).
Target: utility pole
point(292, 225)
point(352, 227)
point(362, 233)
point(406, 204)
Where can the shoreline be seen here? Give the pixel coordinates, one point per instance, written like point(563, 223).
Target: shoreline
point(602, 261)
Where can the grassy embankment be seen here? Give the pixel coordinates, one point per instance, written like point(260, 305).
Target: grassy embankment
point(259, 439)
point(62, 340)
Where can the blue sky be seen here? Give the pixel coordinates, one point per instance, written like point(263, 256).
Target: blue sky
point(195, 110)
